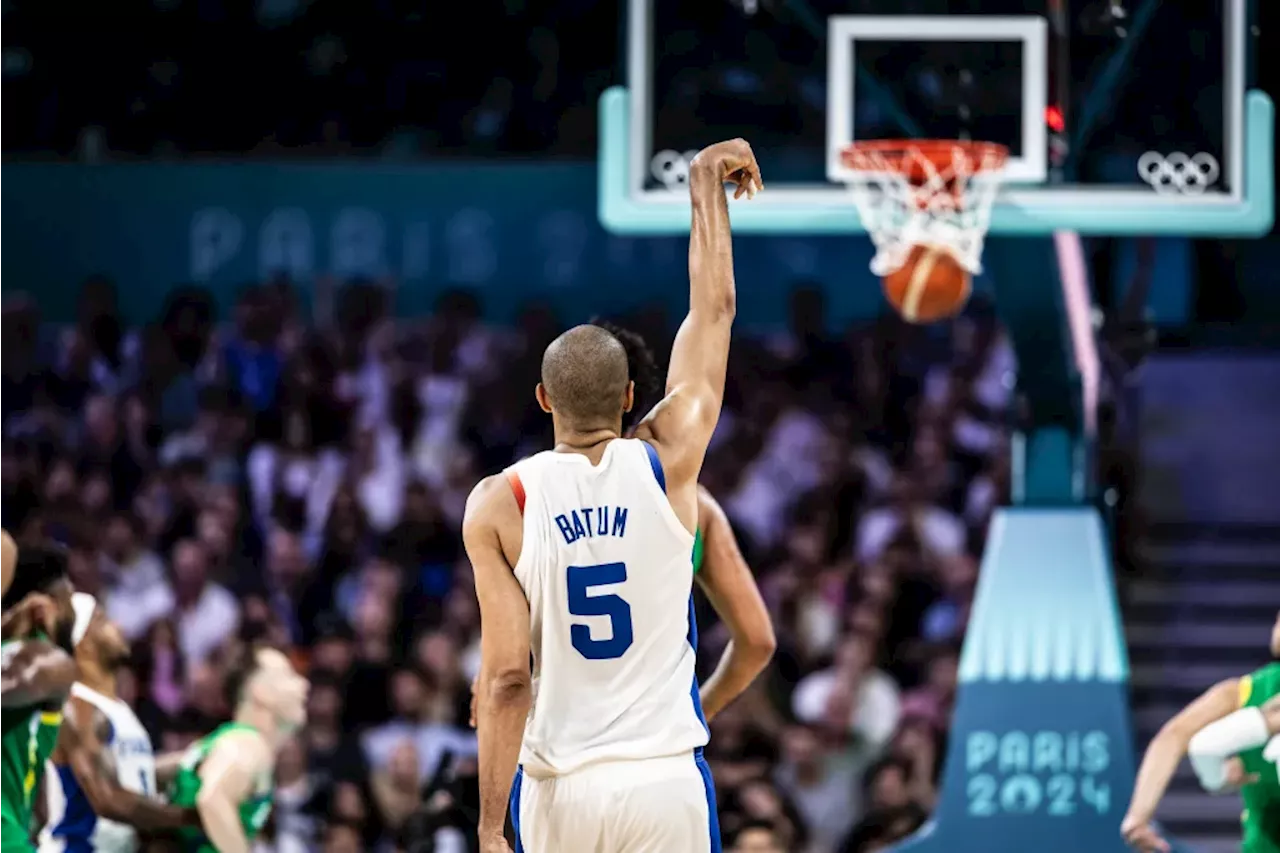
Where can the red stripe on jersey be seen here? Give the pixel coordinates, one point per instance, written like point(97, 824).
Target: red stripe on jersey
point(517, 488)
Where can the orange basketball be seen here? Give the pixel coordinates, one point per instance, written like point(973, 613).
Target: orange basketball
point(930, 286)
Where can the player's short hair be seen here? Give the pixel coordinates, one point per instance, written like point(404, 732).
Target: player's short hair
point(642, 367)
point(243, 660)
point(39, 567)
point(584, 372)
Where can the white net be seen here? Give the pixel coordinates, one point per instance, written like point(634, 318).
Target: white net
point(927, 194)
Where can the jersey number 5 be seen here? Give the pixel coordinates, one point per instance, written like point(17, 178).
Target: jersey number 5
point(580, 581)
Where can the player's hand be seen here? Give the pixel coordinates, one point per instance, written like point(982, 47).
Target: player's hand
point(36, 612)
point(732, 161)
point(1142, 836)
point(494, 844)
point(1234, 777)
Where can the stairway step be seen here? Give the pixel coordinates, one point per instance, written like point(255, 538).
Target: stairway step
point(1191, 531)
point(1213, 842)
point(1205, 593)
point(1243, 634)
point(1165, 693)
point(1235, 661)
point(1257, 612)
point(1212, 552)
point(1215, 571)
point(1180, 806)
point(1196, 677)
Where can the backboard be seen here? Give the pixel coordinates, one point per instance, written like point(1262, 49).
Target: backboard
point(1121, 117)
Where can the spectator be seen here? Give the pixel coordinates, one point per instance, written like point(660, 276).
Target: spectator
point(206, 613)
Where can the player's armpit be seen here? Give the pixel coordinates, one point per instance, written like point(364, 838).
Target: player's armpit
point(504, 688)
point(730, 587)
point(82, 746)
point(227, 778)
point(35, 672)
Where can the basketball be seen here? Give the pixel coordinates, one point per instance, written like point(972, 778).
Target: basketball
point(930, 286)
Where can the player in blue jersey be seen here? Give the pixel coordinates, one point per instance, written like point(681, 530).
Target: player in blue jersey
point(101, 785)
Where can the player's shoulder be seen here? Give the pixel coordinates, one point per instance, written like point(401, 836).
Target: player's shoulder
point(1260, 685)
point(490, 499)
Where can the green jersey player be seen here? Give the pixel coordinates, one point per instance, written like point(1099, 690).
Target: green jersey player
point(1231, 736)
point(37, 676)
point(226, 775)
point(1261, 793)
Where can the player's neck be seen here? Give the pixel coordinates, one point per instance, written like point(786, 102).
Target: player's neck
point(583, 438)
point(97, 678)
point(263, 722)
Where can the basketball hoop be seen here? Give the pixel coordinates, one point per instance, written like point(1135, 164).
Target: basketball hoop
point(924, 192)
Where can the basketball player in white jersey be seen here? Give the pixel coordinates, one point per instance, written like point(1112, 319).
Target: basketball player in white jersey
point(101, 781)
point(583, 559)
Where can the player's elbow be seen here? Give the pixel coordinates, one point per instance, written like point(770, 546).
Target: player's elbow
point(760, 643)
point(721, 307)
point(509, 686)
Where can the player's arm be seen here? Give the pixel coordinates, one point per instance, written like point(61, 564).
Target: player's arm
point(8, 560)
point(680, 426)
point(82, 745)
point(167, 767)
point(227, 778)
point(35, 672)
point(1169, 745)
point(504, 688)
point(731, 589)
point(1211, 748)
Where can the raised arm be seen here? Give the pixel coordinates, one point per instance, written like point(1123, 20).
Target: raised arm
point(227, 777)
point(504, 688)
point(1163, 756)
point(81, 746)
point(35, 672)
point(680, 426)
point(731, 589)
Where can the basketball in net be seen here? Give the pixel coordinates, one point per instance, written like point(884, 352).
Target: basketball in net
point(926, 205)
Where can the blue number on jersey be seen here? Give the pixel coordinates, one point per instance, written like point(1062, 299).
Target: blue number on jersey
point(583, 578)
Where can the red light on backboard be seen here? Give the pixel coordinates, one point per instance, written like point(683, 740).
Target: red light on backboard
point(1053, 118)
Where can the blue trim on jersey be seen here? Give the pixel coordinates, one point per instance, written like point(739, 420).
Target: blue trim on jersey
point(709, 785)
point(693, 691)
point(514, 801)
point(78, 821)
point(656, 464)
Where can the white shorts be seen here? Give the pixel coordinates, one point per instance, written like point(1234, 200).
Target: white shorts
point(661, 805)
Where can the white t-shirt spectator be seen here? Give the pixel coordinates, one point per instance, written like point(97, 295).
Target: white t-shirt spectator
point(939, 531)
point(205, 626)
point(875, 714)
point(432, 741)
point(139, 595)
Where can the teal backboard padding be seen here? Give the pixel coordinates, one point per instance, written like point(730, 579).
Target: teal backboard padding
point(1034, 212)
point(1040, 755)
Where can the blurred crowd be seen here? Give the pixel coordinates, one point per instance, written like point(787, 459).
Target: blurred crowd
point(270, 478)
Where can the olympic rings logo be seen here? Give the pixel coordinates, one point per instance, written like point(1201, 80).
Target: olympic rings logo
point(1178, 173)
point(671, 168)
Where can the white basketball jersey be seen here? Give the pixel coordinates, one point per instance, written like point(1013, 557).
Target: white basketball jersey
point(607, 568)
point(72, 826)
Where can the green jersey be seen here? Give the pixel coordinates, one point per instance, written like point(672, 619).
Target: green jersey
point(1261, 817)
point(27, 739)
point(254, 811)
point(697, 551)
